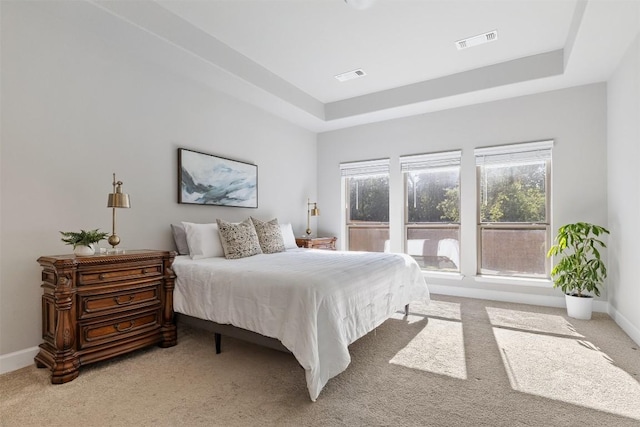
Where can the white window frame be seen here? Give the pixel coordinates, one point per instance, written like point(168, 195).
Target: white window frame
point(425, 162)
point(516, 154)
point(360, 169)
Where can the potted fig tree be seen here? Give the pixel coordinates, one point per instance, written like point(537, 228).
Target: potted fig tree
point(580, 271)
point(83, 241)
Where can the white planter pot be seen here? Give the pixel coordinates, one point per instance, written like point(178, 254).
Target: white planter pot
point(579, 307)
point(84, 250)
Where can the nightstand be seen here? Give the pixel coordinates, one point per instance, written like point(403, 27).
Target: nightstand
point(328, 243)
point(100, 306)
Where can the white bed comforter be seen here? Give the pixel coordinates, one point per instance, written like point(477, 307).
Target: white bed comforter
point(315, 302)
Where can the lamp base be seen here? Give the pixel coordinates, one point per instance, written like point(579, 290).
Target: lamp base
point(114, 240)
point(308, 231)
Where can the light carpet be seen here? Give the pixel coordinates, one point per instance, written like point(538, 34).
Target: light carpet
point(455, 362)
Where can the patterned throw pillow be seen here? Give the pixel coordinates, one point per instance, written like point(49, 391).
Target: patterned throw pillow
point(239, 240)
point(269, 235)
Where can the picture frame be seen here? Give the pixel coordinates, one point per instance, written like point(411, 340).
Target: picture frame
point(207, 179)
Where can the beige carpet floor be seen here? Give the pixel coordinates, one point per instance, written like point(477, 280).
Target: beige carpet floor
point(455, 362)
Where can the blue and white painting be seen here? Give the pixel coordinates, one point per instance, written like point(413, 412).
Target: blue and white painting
point(210, 180)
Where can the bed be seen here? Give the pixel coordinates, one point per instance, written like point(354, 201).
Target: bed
point(315, 302)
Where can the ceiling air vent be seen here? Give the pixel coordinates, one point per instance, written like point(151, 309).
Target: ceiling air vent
point(350, 75)
point(476, 40)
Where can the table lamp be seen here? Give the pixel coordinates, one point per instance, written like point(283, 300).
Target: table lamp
point(117, 199)
point(311, 212)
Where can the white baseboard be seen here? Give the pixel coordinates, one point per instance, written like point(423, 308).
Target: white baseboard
point(625, 325)
point(514, 297)
point(17, 360)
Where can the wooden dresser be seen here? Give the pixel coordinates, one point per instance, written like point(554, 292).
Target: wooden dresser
point(100, 306)
point(317, 242)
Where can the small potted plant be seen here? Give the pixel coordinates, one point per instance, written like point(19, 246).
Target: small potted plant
point(83, 241)
point(580, 270)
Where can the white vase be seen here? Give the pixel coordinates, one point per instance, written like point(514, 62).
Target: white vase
point(579, 307)
point(82, 250)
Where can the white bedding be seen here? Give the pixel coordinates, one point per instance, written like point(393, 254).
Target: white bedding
point(315, 302)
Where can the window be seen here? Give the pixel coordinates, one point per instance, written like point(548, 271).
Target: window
point(514, 209)
point(367, 205)
point(432, 209)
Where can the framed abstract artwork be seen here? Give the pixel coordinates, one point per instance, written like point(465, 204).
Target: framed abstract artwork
point(205, 179)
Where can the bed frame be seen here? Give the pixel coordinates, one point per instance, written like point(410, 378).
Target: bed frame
point(234, 332)
point(219, 329)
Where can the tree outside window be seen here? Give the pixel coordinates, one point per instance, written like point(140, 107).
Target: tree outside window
point(369, 199)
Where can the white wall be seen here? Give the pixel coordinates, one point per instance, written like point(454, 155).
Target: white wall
point(624, 191)
point(76, 108)
point(575, 118)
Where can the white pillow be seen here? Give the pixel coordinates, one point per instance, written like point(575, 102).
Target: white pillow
point(203, 240)
point(288, 236)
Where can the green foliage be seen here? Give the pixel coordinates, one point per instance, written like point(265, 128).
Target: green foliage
point(436, 196)
point(369, 199)
point(580, 268)
point(83, 238)
point(509, 193)
point(513, 194)
point(450, 206)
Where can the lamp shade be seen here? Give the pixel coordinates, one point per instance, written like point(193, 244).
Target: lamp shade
point(118, 200)
point(315, 211)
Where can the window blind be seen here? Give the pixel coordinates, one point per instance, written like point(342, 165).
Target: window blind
point(433, 160)
point(516, 153)
point(368, 167)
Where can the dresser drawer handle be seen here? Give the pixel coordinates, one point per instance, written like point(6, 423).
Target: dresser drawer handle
point(128, 328)
point(123, 302)
point(101, 276)
point(144, 271)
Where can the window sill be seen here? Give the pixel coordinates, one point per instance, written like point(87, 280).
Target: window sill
point(519, 281)
point(443, 275)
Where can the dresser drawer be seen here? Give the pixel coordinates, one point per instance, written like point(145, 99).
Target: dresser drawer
point(106, 275)
point(324, 245)
point(97, 333)
point(98, 304)
point(316, 242)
